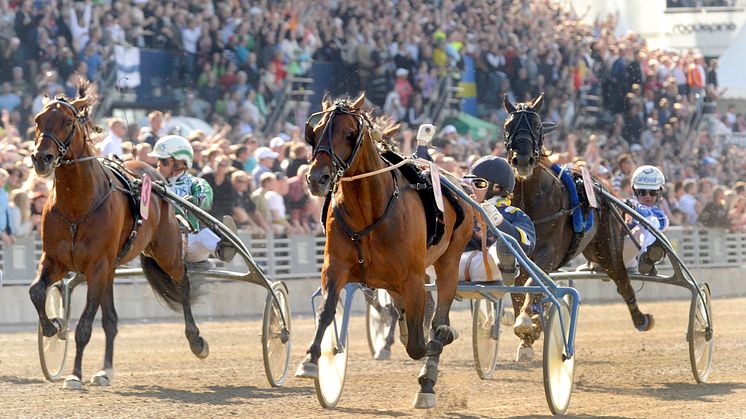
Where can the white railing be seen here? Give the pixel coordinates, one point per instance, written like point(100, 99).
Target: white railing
point(300, 257)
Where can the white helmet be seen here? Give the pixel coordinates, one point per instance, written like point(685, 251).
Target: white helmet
point(648, 177)
point(174, 146)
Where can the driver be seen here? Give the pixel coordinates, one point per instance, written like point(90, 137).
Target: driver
point(175, 156)
point(645, 251)
point(492, 182)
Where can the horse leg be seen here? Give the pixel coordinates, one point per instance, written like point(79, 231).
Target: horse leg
point(527, 326)
point(109, 321)
point(309, 368)
point(414, 309)
point(642, 322)
point(442, 335)
point(38, 294)
point(197, 343)
point(83, 329)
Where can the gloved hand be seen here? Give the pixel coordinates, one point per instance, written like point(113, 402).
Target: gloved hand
point(192, 199)
point(492, 213)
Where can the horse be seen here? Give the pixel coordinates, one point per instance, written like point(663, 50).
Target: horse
point(541, 195)
point(376, 233)
point(89, 226)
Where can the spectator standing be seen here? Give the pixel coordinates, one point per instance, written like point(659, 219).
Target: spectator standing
point(688, 204)
point(714, 213)
point(19, 214)
point(112, 143)
point(5, 231)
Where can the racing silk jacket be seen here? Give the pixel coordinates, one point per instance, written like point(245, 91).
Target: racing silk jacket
point(515, 223)
point(653, 214)
point(195, 190)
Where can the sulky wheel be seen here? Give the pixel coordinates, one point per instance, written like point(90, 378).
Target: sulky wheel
point(276, 342)
point(332, 363)
point(378, 323)
point(559, 371)
point(53, 350)
point(485, 336)
point(699, 335)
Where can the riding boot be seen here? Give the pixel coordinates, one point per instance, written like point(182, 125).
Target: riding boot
point(225, 250)
point(654, 254)
point(506, 264)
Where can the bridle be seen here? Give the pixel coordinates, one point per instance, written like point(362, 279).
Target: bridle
point(325, 143)
point(63, 145)
point(524, 125)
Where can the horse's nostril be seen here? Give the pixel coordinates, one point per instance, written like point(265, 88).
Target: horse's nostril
point(323, 180)
point(48, 158)
point(515, 161)
point(531, 160)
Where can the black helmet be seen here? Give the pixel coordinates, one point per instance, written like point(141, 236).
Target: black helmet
point(496, 170)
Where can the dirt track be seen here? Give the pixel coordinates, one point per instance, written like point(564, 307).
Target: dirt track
point(620, 373)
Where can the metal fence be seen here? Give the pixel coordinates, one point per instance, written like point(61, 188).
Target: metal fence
point(300, 257)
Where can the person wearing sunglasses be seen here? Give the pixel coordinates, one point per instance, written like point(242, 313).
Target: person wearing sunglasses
point(492, 182)
point(175, 157)
point(642, 251)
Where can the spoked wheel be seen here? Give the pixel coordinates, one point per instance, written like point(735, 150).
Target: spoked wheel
point(485, 336)
point(699, 335)
point(276, 344)
point(53, 350)
point(378, 322)
point(332, 363)
point(559, 371)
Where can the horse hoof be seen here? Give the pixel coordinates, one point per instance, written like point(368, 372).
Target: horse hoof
point(507, 318)
point(72, 383)
point(523, 325)
point(103, 378)
point(204, 352)
point(648, 324)
point(307, 370)
point(383, 355)
point(524, 353)
point(424, 401)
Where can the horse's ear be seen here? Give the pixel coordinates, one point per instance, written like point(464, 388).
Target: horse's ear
point(326, 101)
point(508, 106)
point(548, 127)
point(44, 100)
point(359, 102)
point(536, 104)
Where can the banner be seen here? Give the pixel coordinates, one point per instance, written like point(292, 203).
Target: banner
point(128, 65)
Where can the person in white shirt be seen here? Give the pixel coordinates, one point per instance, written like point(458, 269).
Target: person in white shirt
point(112, 144)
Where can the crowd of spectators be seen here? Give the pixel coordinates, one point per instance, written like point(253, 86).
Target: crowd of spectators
point(233, 58)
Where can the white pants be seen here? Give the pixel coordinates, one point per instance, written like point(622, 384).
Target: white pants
point(473, 261)
point(200, 245)
point(644, 238)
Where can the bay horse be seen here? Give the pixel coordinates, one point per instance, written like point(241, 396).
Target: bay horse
point(376, 233)
point(89, 227)
point(541, 195)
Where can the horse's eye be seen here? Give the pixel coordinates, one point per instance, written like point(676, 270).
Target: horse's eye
point(350, 136)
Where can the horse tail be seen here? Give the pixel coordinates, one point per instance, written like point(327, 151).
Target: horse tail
point(165, 288)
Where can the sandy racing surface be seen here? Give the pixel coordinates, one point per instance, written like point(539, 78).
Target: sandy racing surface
point(620, 373)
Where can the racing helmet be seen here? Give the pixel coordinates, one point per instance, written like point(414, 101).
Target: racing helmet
point(648, 177)
point(174, 146)
point(495, 170)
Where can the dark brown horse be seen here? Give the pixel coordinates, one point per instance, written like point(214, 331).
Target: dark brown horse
point(87, 223)
point(376, 233)
point(541, 195)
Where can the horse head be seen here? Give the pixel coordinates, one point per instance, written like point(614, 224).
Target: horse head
point(61, 129)
point(524, 134)
point(336, 136)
